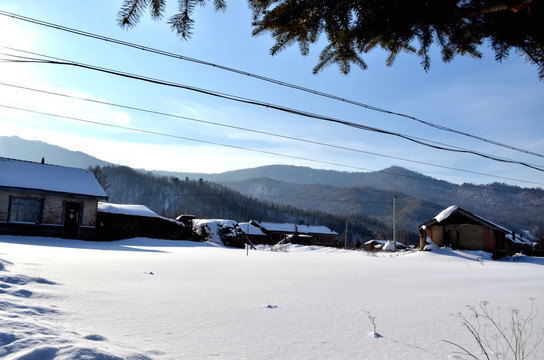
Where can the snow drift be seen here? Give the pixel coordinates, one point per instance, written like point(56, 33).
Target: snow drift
point(158, 299)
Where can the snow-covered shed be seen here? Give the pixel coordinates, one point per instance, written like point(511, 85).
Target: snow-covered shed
point(121, 221)
point(462, 229)
point(254, 233)
point(219, 231)
point(300, 234)
point(387, 245)
point(48, 200)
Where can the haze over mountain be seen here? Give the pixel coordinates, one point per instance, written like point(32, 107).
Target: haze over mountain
point(16, 148)
point(352, 196)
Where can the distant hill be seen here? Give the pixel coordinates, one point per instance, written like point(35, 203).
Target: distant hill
point(352, 196)
point(169, 196)
point(14, 147)
point(419, 197)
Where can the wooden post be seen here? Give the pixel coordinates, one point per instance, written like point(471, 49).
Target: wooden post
point(346, 237)
point(422, 237)
point(248, 220)
point(394, 222)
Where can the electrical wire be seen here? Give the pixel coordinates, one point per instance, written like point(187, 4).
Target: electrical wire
point(420, 141)
point(260, 77)
point(151, 132)
point(298, 139)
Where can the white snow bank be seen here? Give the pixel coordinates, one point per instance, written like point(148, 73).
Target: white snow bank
point(209, 229)
point(143, 299)
point(430, 245)
point(217, 231)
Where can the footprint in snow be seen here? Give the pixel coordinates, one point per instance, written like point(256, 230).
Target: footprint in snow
point(95, 337)
point(22, 293)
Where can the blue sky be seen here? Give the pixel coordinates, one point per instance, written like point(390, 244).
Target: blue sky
point(498, 101)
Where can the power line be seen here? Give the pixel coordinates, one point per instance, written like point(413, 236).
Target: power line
point(260, 77)
point(251, 130)
point(181, 137)
point(417, 140)
point(360, 201)
point(225, 145)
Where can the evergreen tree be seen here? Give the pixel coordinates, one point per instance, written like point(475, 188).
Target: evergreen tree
point(355, 27)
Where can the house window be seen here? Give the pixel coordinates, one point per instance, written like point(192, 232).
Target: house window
point(25, 210)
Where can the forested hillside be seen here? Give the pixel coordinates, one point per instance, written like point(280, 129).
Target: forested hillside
point(349, 202)
point(170, 196)
point(420, 197)
point(302, 194)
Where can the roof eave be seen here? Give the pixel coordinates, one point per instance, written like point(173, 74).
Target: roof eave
point(61, 193)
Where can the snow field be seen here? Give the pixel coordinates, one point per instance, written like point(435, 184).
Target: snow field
point(157, 299)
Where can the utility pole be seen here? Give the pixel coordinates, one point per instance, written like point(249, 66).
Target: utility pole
point(395, 223)
point(346, 237)
point(248, 220)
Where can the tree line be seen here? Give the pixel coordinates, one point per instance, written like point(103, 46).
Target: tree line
point(170, 197)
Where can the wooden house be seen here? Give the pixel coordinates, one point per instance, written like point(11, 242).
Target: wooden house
point(39, 199)
point(297, 234)
point(122, 221)
point(461, 229)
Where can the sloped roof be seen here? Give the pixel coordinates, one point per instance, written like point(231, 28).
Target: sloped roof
point(132, 210)
point(251, 229)
point(293, 228)
point(449, 212)
point(60, 179)
point(126, 209)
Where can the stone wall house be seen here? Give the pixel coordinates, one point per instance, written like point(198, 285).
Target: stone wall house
point(39, 199)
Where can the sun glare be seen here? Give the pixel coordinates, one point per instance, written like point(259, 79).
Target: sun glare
point(122, 119)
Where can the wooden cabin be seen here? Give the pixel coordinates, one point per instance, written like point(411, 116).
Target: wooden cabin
point(461, 229)
point(122, 221)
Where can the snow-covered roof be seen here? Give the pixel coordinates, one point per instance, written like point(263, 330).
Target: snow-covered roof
point(446, 213)
point(251, 230)
point(519, 239)
point(61, 179)
point(293, 228)
point(384, 242)
point(125, 209)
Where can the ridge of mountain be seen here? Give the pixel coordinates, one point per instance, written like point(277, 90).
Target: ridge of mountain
point(15, 147)
point(420, 197)
point(347, 202)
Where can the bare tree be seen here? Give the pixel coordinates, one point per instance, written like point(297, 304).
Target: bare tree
point(100, 176)
point(499, 335)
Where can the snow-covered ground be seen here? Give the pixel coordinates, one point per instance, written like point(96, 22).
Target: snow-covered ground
point(158, 299)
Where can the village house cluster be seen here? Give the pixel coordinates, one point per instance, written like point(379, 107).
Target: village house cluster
point(39, 199)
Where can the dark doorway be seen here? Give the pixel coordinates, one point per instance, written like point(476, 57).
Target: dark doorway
point(71, 220)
